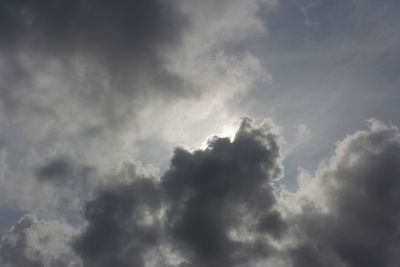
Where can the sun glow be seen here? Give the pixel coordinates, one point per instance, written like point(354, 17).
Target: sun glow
point(228, 131)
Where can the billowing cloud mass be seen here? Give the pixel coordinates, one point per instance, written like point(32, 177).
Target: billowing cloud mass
point(92, 80)
point(125, 38)
point(73, 75)
point(221, 206)
point(96, 61)
point(349, 210)
point(218, 207)
point(36, 243)
point(221, 200)
point(120, 143)
point(121, 225)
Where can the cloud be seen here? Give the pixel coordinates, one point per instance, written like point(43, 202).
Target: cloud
point(221, 199)
point(220, 206)
point(70, 181)
point(98, 77)
point(119, 34)
point(213, 207)
point(87, 85)
point(73, 77)
point(38, 243)
point(102, 54)
point(120, 225)
point(101, 63)
point(63, 170)
point(349, 214)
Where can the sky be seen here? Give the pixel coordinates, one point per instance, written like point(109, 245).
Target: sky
point(183, 133)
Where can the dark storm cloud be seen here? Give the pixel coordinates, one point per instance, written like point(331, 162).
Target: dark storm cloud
point(117, 31)
point(119, 43)
point(87, 23)
point(227, 187)
point(362, 190)
point(208, 195)
point(118, 233)
point(62, 170)
point(219, 207)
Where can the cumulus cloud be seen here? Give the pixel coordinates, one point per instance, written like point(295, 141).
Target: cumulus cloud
point(37, 243)
point(121, 227)
point(89, 87)
point(220, 206)
point(349, 213)
point(221, 200)
point(213, 207)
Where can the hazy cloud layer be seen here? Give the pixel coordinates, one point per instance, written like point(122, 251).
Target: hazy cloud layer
point(74, 73)
point(333, 64)
point(88, 80)
point(89, 64)
point(126, 38)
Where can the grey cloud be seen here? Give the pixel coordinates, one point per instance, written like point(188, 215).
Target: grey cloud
point(219, 207)
point(224, 190)
point(358, 194)
point(72, 182)
point(74, 77)
point(118, 233)
point(91, 78)
point(118, 32)
point(121, 45)
point(35, 243)
point(112, 27)
point(63, 170)
point(11, 253)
